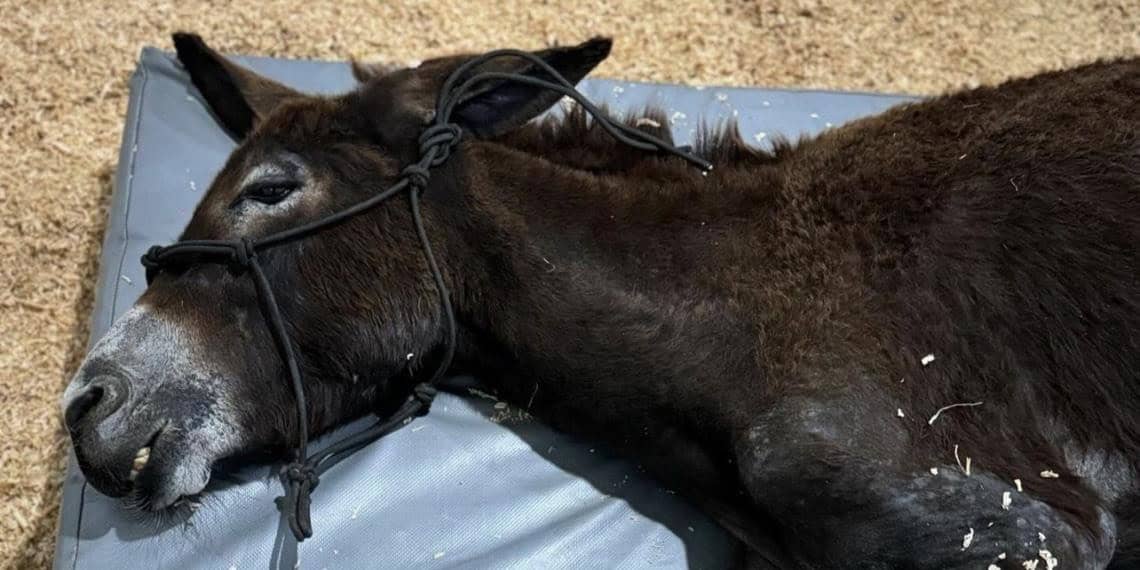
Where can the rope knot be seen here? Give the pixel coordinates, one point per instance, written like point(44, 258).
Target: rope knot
point(152, 262)
point(243, 253)
point(438, 140)
point(301, 473)
point(301, 479)
point(416, 175)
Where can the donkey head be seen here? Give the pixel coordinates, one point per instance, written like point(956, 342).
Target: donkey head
point(190, 375)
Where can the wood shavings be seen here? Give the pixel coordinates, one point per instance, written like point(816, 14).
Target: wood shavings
point(1050, 561)
point(926, 360)
point(46, 42)
point(1006, 500)
point(1047, 474)
point(647, 122)
point(957, 459)
point(950, 407)
point(968, 539)
point(968, 461)
point(1017, 482)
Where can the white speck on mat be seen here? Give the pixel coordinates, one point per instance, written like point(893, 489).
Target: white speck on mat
point(993, 567)
point(1017, 482)
point(900, 413)
point(677, 116)
point(933, 470)
point(335, 552)
point(500, 405)
point(618, 90)
point(963, 157)
point(760, 136)
point(1050, 562)
point(1030, 564)
point(766, 103)
point(1001, 556)
point(968, 460)
point(700, 87)
point(951, 406)
point(417, 428)
point(193, 187)
point(990, 525)
point(828, 125)
point(439, 555)
point(1041, 536)
point(691, 529)
point(1047, 474)
point(233, 566)
point(643, 121)
point(721, 97)
point(1006, 501)
point(127, 279)
point(926, 360)
point(814, 115)
point(409, 356)
point(968, 539)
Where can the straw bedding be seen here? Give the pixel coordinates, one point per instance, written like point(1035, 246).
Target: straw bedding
point(64, 67)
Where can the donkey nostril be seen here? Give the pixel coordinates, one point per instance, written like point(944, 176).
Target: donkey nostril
point(82, 404)
point(103, 395)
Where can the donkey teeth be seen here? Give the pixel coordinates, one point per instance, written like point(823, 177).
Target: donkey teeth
point(141, 457)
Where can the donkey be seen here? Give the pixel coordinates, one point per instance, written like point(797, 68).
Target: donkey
point(908, 342)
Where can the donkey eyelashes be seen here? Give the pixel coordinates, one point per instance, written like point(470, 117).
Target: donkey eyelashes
point(271, 182)
point(270, 191)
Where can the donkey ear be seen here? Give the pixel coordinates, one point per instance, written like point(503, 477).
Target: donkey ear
point(500, 106)
point(239, 97)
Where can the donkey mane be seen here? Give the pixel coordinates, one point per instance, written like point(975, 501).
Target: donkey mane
point(575, 139)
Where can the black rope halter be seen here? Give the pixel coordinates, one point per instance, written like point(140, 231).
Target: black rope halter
point(436, 143)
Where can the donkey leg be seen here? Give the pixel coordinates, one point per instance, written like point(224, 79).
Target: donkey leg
point(837, 479)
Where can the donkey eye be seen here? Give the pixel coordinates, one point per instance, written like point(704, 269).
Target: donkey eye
point(270, 191)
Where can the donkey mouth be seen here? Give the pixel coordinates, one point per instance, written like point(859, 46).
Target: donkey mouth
point(142, 456)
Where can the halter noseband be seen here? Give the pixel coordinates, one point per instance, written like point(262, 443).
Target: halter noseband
point(302, 473)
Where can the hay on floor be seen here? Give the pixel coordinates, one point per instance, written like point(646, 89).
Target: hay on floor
point(64, 67)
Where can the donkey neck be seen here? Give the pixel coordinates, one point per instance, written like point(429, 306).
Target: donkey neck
point(581, 301)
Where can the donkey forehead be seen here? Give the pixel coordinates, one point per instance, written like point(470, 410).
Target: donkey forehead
point(309, 119)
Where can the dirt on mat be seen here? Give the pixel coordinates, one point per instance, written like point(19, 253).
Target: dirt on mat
point(64, 67)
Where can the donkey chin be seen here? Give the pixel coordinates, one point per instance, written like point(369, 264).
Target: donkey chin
point(143, 428)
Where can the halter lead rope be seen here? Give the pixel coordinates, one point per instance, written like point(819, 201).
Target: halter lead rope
point(302, 473)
